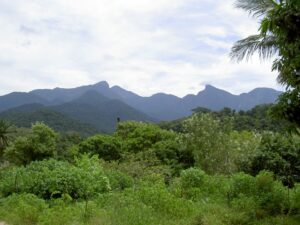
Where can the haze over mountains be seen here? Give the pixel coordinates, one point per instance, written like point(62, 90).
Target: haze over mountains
point(99, 105)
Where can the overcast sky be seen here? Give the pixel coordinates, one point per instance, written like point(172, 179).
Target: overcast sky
point(147, 46)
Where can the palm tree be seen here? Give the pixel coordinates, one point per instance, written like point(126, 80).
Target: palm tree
point(265, 42)
point(279, 35)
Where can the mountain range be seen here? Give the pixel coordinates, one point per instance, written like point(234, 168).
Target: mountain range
point(100, 105)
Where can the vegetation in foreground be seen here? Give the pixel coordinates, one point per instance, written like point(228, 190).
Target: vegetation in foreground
point(142, 174)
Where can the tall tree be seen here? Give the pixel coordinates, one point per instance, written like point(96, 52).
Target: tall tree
point(279, 36)
point(38, 145)
point(5, 129)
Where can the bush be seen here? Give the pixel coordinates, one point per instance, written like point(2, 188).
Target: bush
point(139, 137)
point(269, 196)
point(279, 154)
point(208, 138)
point(39, 145)
point(242, 184)
point(163, 202)
point(295, 200)
point(51, 179)
point(119, 180)
point(22, 209)
point(61, 213)
point(272, 196)
point(106, 147)
point(192, 178)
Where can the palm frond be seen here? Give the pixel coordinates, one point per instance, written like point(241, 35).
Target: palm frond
point(266, 46)
point(256, 8)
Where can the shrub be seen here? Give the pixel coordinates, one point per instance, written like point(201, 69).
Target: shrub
point(23, 209)
point(270, 196)
point(192, 178)
point(295, 199)
point(52, 178)
point(119, 180)
point(281, 155)
point(164, 203)
point(242, 184)
point(39, 145)
point(139, 137)
point(106, 147)
point(208, 138)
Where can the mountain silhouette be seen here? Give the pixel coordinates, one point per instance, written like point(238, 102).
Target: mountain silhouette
point(100, 105)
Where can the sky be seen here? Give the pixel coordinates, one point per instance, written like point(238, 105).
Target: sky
point(146, 46)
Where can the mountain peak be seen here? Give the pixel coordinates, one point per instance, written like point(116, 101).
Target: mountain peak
point(209, 86)
point(102, 84)
point(209, 89)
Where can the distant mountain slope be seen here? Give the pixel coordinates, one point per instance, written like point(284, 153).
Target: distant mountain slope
point(26, 115)
point(16, 99)
point(170, 107)
point(159, 106)
point(63, 95)
point(101, 112)
point(216, 99)
point(211, 98)
point(257, 96)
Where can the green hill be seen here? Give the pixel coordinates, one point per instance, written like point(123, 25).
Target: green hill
point(26, 115)
point(94, 108)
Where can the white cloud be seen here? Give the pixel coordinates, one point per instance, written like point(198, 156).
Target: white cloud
point(146, 46)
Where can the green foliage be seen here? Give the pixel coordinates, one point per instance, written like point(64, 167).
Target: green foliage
point(24, 209)
point(141, 136)
point(244, 145)
point(174, 125)
point(288, 106)
point(259, 119)
point(192, 178)
point(60, 213)
point(5, 129)
point(119, 180)
point(51, 179)
point(208, 139)
point(40, 144)
point(295, 200)
point(215, 146)
point(106, 147)
point(242, 183)
point(264, 195)
point(279, 154)
point(166, 145)
point(256, 119)
point(26, 115)
point(141, 186)
point(278, 35)
point(140, 166)
point(163, 202)
point(67, 146)
point(148, 204)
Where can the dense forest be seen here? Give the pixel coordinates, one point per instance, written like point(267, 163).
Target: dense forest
point(208, 171)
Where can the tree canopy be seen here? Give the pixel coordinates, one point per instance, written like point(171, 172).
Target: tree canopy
point(279, 36)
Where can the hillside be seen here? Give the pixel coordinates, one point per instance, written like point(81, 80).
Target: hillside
point(101, 112)
point(16, 99)
point(26, 115)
